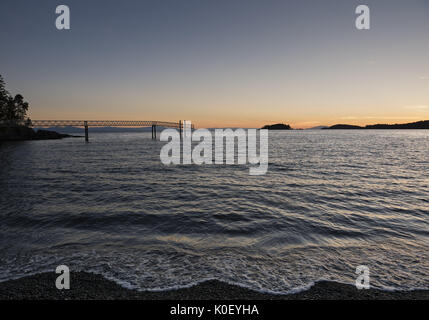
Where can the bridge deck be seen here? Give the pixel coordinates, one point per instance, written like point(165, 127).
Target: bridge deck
point(104, 123)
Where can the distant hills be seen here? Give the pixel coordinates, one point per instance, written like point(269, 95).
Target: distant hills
point(317, 128)
point(278, 126)
point(343, 126)
point(412, 125)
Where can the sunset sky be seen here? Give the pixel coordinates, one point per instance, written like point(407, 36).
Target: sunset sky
point(219, 63)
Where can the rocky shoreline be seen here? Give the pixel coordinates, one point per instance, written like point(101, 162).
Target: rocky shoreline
point(20, 133)
point(88, 286)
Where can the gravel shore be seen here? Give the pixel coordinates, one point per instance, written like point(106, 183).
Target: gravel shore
point(85, 286)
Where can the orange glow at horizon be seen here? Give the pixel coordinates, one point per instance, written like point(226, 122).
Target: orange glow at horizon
point(224, 122)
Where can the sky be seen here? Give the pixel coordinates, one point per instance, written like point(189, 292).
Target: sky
point(219, 63)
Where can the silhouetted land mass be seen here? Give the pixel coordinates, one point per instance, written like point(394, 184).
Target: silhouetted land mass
point(343, 126)
point(317, 128)
point(278, 126)
point(25, 133)
point(412, 125)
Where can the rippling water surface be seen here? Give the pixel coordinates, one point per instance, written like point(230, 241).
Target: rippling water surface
point(331, 200)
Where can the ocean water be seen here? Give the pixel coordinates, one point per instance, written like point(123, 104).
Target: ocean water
point(330, 201)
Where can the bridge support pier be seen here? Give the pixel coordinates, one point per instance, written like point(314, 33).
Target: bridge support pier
point(86, 131)
point(154, 131)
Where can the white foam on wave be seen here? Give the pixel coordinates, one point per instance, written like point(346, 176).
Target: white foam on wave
point(156, 270)
point(294, 290)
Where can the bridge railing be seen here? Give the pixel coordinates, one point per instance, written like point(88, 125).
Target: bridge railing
point(92, 123)
point(103, 123)
point(99, 123)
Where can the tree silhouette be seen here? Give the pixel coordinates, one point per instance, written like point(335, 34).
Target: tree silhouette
point(4, 95)
point(13, 109)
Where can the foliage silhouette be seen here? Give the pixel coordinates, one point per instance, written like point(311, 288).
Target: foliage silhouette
point(13, 109)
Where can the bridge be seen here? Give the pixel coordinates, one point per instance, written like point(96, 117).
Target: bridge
point(102, 123)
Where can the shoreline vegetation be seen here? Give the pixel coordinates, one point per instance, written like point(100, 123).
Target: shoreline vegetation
point(89, 286)
point(14, 123)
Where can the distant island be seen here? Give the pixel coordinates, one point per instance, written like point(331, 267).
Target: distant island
point(343, 126)
point(317, 128)
point(278, 126)
point(412, 125)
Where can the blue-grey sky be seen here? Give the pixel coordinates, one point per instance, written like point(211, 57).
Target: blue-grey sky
point(219, 63)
